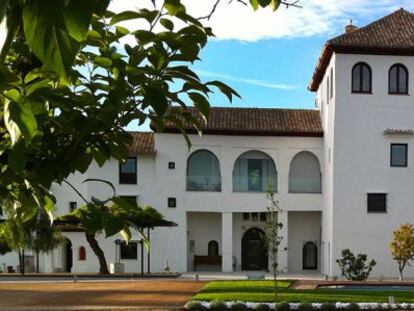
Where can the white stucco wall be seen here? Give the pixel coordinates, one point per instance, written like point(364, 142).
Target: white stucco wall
point(361, 161)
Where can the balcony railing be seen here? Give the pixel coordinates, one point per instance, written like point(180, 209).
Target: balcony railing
point(203, 183)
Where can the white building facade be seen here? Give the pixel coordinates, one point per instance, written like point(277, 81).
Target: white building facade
point(342, 173)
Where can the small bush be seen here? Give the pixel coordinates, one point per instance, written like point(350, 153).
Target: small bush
point(305, 306)
point(353, 307)
point(218, 305)
point(262, 307)
point(328, 307)
point(284, 306)
point(239, 306)
point(195, 306)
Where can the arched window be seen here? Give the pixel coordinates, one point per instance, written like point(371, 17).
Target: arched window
point(213, 248)
point(254, 171)
point(310, 256)
point(398, 79)
point(305, 174)
point(361, 78)
point(203, 172)
point(82, 253)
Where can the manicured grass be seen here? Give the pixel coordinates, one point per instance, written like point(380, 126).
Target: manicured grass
point(262, 291)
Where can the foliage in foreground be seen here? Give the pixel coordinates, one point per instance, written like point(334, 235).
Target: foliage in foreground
point(355, 268)
point(402, 247)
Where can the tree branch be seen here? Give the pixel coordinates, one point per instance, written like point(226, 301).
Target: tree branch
point(287, 4)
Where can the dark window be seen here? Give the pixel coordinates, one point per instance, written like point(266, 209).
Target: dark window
point(262, 216)
point(331, 91)
point(361, 78)
point(377, 202)
point(172, 202)
point(255, 216)
point(128, 171)
point(82, 253)
point(399, 155)
point(254, 167)
point(398, 80)
point(171, 165)
point(129, 251)
point(213, 248)
point(246, 216)
point(130, 198)
point(327, 90)
point(72, 206)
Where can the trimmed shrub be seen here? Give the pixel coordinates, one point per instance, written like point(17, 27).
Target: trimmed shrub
point(195, 306)
point(353, 307)
point(239, 306)
point(328, 307)
point(262, 307)
point(218, 305)
point(305, 306)
point(284, 306)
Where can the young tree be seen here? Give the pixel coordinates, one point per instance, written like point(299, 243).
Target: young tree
point(36, 234)
point(272, 237)
point(353, 267)
point(402, 247)
point(116, 215)
point(69, 87)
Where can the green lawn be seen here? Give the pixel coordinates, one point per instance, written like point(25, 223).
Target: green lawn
point(262, 291)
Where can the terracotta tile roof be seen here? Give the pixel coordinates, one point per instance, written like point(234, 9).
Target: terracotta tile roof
point(390, 35)
point(143, 143)
point(258, 122)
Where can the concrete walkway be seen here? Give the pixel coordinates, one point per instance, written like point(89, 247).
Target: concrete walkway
point(248, 275)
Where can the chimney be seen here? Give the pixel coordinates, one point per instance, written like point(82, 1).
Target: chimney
point(350, 27)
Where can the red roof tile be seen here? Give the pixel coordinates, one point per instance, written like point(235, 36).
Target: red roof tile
point(257, 122)
point(143, 143)
point(390, 35)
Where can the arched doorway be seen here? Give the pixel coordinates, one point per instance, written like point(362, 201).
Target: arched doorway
point(213, 248)
point(254, 254)
point(67, 256)
point(310, 256)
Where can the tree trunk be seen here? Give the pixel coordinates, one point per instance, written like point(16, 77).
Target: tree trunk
point(93, 243)
point(401, 277)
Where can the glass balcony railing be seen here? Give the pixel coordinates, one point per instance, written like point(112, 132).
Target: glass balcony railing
point(203, 183)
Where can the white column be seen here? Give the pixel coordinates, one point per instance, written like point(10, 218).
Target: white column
point(227, 241)
point(283, 250)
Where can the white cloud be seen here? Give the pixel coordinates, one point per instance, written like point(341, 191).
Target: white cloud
point(261, 83)
point(317, 17)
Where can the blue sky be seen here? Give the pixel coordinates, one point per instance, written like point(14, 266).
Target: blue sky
point(269, 57)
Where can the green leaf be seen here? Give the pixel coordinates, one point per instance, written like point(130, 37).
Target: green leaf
point(77, 17)
point(201, 103)
point(47, 35)
point(155, 98)
point(274, 4)
point(174, 7)
point(254, 4)
point(167, 24)
point(7, 77)
point(126, 234)
point(264, 3)
point(225, 89)
point(112, 224)
point(103, 61)
point(17, 159)
point(3, 6)
point(19, 121)
point(124, 16)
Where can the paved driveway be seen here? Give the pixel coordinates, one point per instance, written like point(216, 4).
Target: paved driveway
point(146, 294)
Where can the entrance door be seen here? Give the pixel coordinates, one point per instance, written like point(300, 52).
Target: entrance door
point(69, 256)
point(254, 255)
point(310, 256)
